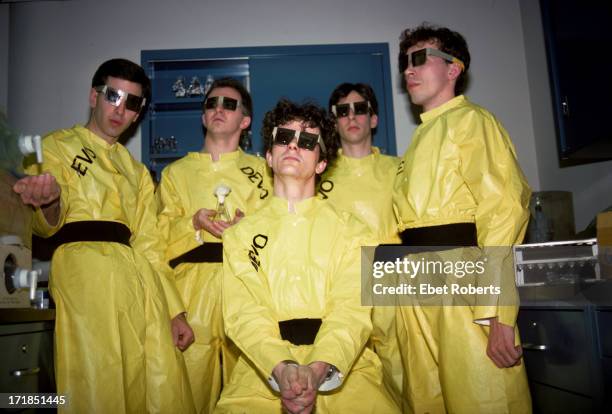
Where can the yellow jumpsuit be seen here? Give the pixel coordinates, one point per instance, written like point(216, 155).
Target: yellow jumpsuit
point(279, 266)
point(113, 344)
point(188, 185)
point(364, 187)
point(461, 167)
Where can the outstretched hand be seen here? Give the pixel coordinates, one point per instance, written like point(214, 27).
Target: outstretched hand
point(41, 191)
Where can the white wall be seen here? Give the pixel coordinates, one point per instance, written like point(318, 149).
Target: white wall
point(4, 55)
point(591, 184)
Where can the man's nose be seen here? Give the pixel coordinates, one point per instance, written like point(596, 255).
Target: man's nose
point(121, 108)
point(293, 144)
point(410, 69)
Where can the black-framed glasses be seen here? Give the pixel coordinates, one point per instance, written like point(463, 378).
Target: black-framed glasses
point(229, 104)
point(115, 96)
point(419, 58)
point(358, 108)
point(305, 140)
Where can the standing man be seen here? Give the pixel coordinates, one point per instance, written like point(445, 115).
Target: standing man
point(361, 181)
point(189, 194)
point(291, 287)
point(459, 185)
point(113, 334)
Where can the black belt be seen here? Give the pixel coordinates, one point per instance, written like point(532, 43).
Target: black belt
point(93, 231)
point(456, 234)
point(300, 331)
point(206, 253)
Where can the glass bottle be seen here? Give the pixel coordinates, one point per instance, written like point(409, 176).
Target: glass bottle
point(221, 213)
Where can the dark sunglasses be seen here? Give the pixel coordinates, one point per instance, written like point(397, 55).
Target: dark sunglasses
point(305, 140)
point(358, 108)
point(116, 96)
point(229, 104)
point(419, 58)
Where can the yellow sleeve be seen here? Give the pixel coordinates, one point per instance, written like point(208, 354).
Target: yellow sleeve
point(146, 240)
point(494, 177)
point(175, 224)
point(246, 309)
point(347, 324)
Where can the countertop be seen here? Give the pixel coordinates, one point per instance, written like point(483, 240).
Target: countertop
point(21, 315)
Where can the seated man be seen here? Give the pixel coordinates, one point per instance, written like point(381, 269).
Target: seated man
point(291, 287)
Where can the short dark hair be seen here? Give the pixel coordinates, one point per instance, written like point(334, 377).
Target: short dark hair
point(245, 96)
point(448, 41)
point(123, 69)
point(344, 89)
point(311, 114)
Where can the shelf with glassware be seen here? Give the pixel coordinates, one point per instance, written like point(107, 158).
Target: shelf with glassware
point(173, 125)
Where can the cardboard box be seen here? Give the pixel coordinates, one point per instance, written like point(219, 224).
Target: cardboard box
point(604, 240)
point(604, 229)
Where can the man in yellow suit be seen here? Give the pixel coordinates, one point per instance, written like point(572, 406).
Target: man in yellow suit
point(459, 184)
point(114, 348)
point(190, 194)
point(361, 181)
point(291, 287)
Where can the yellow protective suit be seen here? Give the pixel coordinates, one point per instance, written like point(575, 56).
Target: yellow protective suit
point(364, 187)
point(113, 344)
point(461, 167)
point(281, 266)
point(188, 185)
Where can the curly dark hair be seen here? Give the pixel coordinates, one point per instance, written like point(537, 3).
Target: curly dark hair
point(311, 114)
point(448, 41)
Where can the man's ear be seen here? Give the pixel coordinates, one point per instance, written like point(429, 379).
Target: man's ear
point(269, 158)
point(246, 121)
point(93, 98)
point(204, 119)
point(454, 70)
point(320, 167)
point(373, 121)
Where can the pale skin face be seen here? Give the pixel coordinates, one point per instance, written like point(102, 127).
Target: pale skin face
point(220, 122)
point(108, 121)
point(292, 161)
point(433, 83)
point(355, 129)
